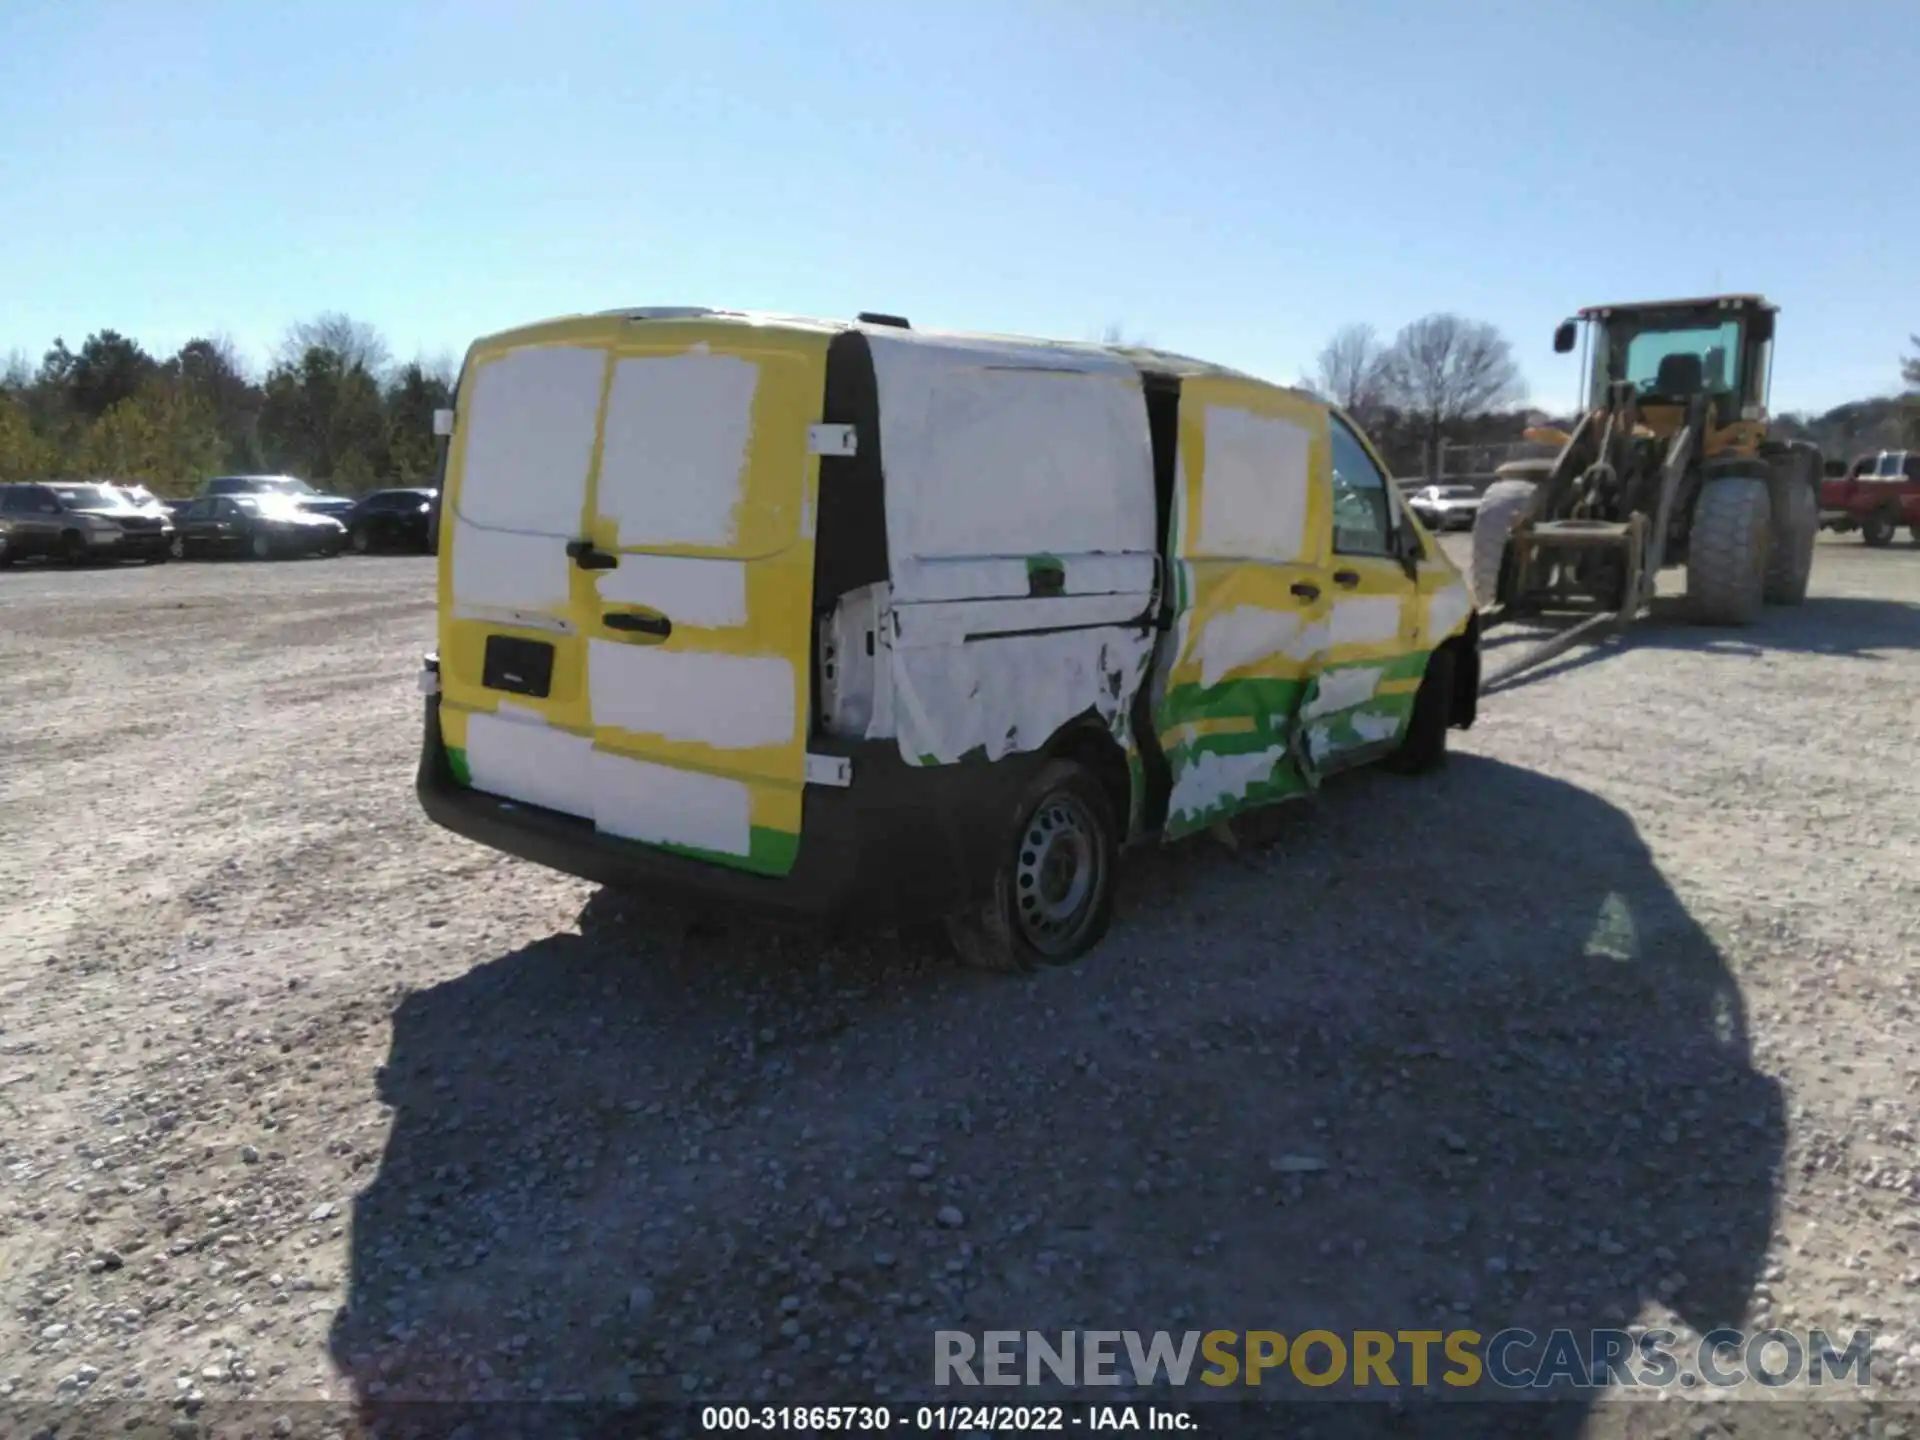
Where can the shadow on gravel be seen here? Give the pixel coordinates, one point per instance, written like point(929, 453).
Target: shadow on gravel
point(1842, 625)
point(1447, 1054)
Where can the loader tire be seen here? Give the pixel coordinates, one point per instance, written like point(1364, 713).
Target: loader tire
point(1727, 553)
point(1795, 525)
point(1492, 524)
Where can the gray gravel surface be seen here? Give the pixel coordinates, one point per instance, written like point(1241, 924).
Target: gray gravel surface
point(1611, 1020)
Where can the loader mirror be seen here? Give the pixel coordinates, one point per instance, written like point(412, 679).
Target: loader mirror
point(1762, 326)
point(1563, 337)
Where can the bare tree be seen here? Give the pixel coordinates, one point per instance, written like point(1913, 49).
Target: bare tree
point(16, 372)
point(442, 365)
point(1910, 365)
point(1114, 333)
point(1444, 368)
point(1351, 372)
point(358, 344)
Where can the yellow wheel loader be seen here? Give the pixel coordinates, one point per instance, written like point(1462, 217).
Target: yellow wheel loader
point(1670, 465)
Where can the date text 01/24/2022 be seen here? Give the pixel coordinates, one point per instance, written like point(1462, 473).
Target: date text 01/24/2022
point(940, 1419)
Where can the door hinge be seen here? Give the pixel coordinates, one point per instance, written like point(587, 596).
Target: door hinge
point(835, 770)
point(835, 440)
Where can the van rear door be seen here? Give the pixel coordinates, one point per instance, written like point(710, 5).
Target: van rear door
point(627, 581)
point(698, 639)
point(513, 708)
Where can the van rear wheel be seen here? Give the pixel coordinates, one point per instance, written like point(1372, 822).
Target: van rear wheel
point(1052, 897)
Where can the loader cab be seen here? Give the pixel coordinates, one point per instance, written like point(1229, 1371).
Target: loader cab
point(1672, 351)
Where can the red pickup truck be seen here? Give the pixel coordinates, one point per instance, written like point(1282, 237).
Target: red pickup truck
point(1876, 496)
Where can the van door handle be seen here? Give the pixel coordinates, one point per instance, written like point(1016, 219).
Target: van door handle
point(582, 553)
point(639, 622)
point(1304, 590)
point(1347, 579)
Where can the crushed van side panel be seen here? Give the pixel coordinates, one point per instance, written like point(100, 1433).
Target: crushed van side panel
point(1020, 529)
point(1246, 527)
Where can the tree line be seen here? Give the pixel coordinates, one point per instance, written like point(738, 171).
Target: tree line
point(332, 407)
point(1448, 380)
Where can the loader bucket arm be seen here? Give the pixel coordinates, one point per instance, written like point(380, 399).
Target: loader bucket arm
point(1681, 452)
point(1567, 464)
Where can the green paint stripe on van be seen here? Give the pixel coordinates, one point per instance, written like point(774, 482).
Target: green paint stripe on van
point(1227, 699)
point(769, 852)
point(1260, 696)
point(457, 761)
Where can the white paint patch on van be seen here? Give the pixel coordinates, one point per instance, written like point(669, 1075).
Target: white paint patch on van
point(1003, 577)
point(675, 454)
point(688, 590)
point(1209, 780)
point(503, 570)
point(1244, 635)
point(999, 450)
point(731, 702)
point(665, 805)
point(918, 626)
point(1369, 620)
point(521, 757)
point(1446, 608)
point(1342, 690)
point(529, 440)
point(1253, 503)
point(1010, 694)
point(1373, 726)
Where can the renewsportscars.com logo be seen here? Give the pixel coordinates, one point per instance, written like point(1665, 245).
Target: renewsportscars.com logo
point(1377, 1361)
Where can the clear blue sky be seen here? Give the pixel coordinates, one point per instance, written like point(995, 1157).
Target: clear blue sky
point(1235, 180)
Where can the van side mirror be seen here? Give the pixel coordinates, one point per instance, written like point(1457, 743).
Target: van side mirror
point(1564, 337)
point(443, 422)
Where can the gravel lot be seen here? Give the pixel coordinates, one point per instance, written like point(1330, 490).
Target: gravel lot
point(302, 1098)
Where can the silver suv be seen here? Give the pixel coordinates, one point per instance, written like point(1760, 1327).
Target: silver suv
point(77, 521)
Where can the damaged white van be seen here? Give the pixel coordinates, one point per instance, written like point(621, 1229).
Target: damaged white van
point(860, 621)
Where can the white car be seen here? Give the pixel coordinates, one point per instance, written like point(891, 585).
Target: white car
point(1445, 507)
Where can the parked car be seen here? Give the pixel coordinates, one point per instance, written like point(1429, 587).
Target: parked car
point(391, 520)
point(263, 526)
point(335, 507)
point(1878, 494)
point(257, 485)
point(961, 685)
point(78, 521)
point(1445, 507)
point(6, 554)
point(318, 501)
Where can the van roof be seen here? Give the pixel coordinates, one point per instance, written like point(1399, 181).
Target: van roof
point(1143, 359)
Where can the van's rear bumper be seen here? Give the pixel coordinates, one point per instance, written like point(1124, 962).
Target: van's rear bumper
point(901, 843)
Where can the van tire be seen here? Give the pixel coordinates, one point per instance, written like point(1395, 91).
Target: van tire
point(1064, 835)
point(1424, 747)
